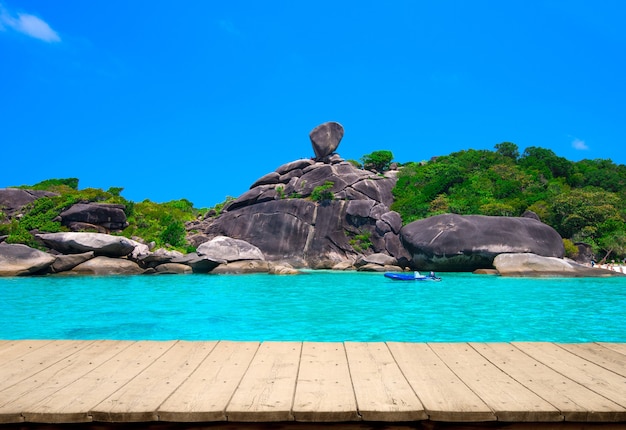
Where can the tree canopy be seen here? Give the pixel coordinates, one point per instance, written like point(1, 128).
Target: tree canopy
point(378, 161)
point(584, 201)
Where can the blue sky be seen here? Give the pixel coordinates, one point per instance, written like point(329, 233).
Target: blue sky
point(198, 99)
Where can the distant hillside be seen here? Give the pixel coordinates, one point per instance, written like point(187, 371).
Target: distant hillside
point(584, 201)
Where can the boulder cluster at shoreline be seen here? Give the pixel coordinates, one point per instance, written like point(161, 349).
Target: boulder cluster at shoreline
point(282, 224)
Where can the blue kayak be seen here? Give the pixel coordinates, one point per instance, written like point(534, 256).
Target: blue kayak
point(410, 277)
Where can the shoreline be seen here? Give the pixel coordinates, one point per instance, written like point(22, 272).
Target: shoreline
point(615, 267)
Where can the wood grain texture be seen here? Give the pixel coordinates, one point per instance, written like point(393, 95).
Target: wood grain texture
point(278, 383)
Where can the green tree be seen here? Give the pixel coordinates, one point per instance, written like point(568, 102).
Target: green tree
point(115, 191)
point(546, 162)
point(613, 243)
point(508, 149)
point(599, 173)
point(577, 212)
point(54, 184)
point(174, 232)
point(378, 161)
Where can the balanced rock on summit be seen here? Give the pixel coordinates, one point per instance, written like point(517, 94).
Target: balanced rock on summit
point(325, 139)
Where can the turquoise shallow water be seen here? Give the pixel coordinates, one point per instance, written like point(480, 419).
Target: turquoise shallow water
point(316, 306)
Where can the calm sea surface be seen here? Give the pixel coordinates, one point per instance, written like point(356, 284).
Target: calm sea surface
point(316, 306)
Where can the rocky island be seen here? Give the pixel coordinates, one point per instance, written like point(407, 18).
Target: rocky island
point(320, 213)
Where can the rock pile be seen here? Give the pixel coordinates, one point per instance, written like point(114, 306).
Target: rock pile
point(96, 217)
point(284, 216)
point(102, 254)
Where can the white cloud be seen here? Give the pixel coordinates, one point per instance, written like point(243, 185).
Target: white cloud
point(579, 145)
point(28, 24)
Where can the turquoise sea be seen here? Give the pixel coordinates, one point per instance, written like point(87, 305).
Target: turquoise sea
point(315, 306)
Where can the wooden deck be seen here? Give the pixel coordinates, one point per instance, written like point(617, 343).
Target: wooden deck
point(306, 382)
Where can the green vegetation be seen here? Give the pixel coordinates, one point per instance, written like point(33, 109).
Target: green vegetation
point(571, 250)
point(280, 191)
point(360, 242)
point(53, 184)
point(323, 193)
point(584, 201)
point(378, 161)
point(162, 223)
point(40, 215)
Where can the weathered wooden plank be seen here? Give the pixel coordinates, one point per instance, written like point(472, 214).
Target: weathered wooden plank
point(12, 349)
point(596, 378)
point(444, 396)
point(600, 355)
point(45, 383)
point(324, 388)
point(618, 347)
point(382, 392)
point(509, 400)
point(74, 402)
point(68, 379)
point(206, 393)
point(266, 391)
point(204, 396)
point(140, 398)
point(33, 361)
point(575, 402)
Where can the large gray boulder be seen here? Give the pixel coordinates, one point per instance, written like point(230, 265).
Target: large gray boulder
point(173, 269)
point(107, 266)
point(108, 216)
point(453, 243)
point(325, 138)
point(19, 260)
point(242, 267)
point(140, 252)
point(67, 262)
point(379, 259)
point(12, 200)
point(76, 242)
point(226, 248)
point(532, 265)
point(199, 263)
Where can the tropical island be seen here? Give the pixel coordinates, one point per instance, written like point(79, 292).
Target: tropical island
point(501, 212)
